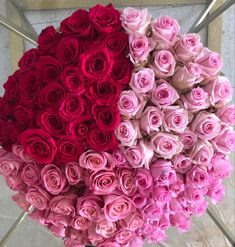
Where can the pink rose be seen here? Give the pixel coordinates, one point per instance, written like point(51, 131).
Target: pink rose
point(219, 90)
point(143, 81)
point(161, 194)
point(182, 163)
point(136, 242)
point(39, 216)
point(157, 236)
point(63, 205)
point(80, 223)
point(181, 222)
point(135, 20)
point(10, 164)
point(124, 236)
point(21, 201)
point(144, 181)
point(198, 177)
point(109, 244)
point(162, 172)
point(187, 76)
point(151, 119)
point(80, 236)
point(195, 100)
point(188, 139)
point(73, 172)
point(175, 206)
point(133, 221)
point(227, 114)
point(117, 207)
point(53, 179)
point(216, 193)
point(58, 220)
point(199, 209)
point(152, 211)
point(31, 174)
point(69, 242)
point(14, 182)
point(164, 94)
point(165, 30)
point(163, 63)
point(178, 186)
point(58, 231)
point(187, 47)
point(166, 145)
point(205, 125)
point(119, 158)
point(194, 195)
point(18, 150)
point(209, 61)
point(139, 200)
point(105, 228)
point(93, 236)
point(164, 222)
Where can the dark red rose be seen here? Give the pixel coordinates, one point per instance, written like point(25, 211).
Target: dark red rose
point(72, 107)
point(51, 96)
point(96, 63)
point(116, 43)
point(107, 117)
point(38, 144)
point(51, 122)
point(105, 18)
point(100, 140)
point(47, 40)
point(23, 116)
point(3, 130)
point(28, 60)
point(49, 69)
point(72, 78)
point(77, 24)
point(11, 87)
point(5, 109)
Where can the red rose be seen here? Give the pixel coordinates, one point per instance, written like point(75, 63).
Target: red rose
point(49, 69)
point(12, 132)
point(39, 145)
point(5, 109)
point(23, 116)
point(11, 87)
point(3, 130)
point(107, 117)
point(28, 60)
point(105, 18)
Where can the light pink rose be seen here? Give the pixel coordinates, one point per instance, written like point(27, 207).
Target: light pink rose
point(151, 119)
point(216, 193)
point(194, 195)
point(165, 30)
point(143, 81)
point(10, 164)
point(205, 125)
point(21, 201)
point(105, 228)
point(163, 63)
point(120, 158)
point(80, 223)
point(18, 150)
point(227, 114)
point(162, 172)
point(73, 172)
point(124, 236)
point(38, 197)
point(188, 139)
point(202, 153)
point(31, 174)
point(133, 221)
point(58, 231)
point(175, 119)
point(63, 205)
point(144, 181)
point(187, 47)
point(195, 100)
point(187, 76)
point(157, 236)
point(53, 179)
point(180, 221)
point(178, 186)
point(219, 90)
point(182, 163)
point(164, 94)
point(161, 194)
point(152, 211)
point(117, 207)
point(166, 145)
point(135, 20)
point(198, 176)
point(139, 200)
point(14, 182)
point(209, 61)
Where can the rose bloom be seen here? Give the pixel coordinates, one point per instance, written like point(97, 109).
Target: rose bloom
point(139, 200)
point(74, 173)
point(164, 222)
point(19, 151)
point(194, 195)
point(163, 64)
point(21, 201)
point(124, 236)
point(166, 145)
point(129, 104)
point(188, 139)
point(30, 174)
point(105, 228)
point(162, 172)
point(187, 76)
point(133, 221)
point(216, 193)
point(152, 211)
point(181, 222)
point(135, 20)
point(198, 176)
point(119, 158)
point(143, 81)
point(161, 194)
point(14, 182)
point(9, 163)
point(157, 236)
point(144, 181)
point(227, 114)
point(178, 186)
point(151, 119)
point(205, 125)
point(219, 90)
point(187, 47)
point(117, 207)
point(80, 223)
point(182, 163)
point(57, 231)
point(165, 30)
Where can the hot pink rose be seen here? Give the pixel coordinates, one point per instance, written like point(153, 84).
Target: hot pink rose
point(10, 164)
point(199, 209)
point(14, 182)
point(133, 221)
point(216, 193)
point(181, 222)
point(80, 223)
point(18, 150)
point(144, 181)
point(139, 200)
point(187, 47)
point(227, 114)
point(157, 236)
point(21, 201)
point(188, 139)
point(182, 163)
point(164, 222)
point(73, 172)
point(142, 81)
point(105, 228)
point(31, 174)
point(163, 64)
point(126, 179)
point(152, 211)
point(198, 176)
point(194, 195)
point(205, 125)
point(161, 194)
point(124, 236)
point(94, 237)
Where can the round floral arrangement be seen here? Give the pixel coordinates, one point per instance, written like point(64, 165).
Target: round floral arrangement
point(116, 127)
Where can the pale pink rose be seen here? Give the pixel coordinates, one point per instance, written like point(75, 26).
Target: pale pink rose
point(38, 197)
point(161, 194)
point(21, 201)
point(216, 193)
point(105, 228)
point(18, 150)
point(73, 172)
point(175, 119)
point(166, 145)
point(199, 209)
point(139, 200)
point(182, 163)
point(209, 61)
point(58, 231)
point(10, 164)
point(152, 211)
point(195, 100)
point(133, 221)
point(31, 174)
point(164, 94)
point(120, 158)
point(53, 179)
point(164, 222)
point(202, 153)
point(157, 236)
point(180, 221)
point(205, 125)
point(135, 20)
point(163, 63)
point(14, 182)
point(80, 223)
point(103, 182)
point(227, 114)
point(151, 119)
point(58, 220)
point(188, 139)
point(187, 47)
point(162, 172)
point(194, 195)
point(124, 236)
point(178, 186)
point(129, 104)
point(187, 76)
point(143, 81)
point(198, 176)
point(90, 207)
point(219, 90)
point(165, 30)
point(117, 207)
point(144, 181)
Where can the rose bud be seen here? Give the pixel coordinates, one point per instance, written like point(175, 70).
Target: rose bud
point(216, 193)
point(124, 236)
point(178, 186)
point(105, 228)
point(152, 211)
point(80, 223)
point(74, 173)
point(133, 221)
point(181, 222)
point(144, 181)
point(161, 194)
point(198, 176)
point(227, 114)
point(181, 163)
point(10, 164)
point(188, 139)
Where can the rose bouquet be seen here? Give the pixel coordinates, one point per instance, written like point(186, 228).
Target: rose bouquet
point(116, 127)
